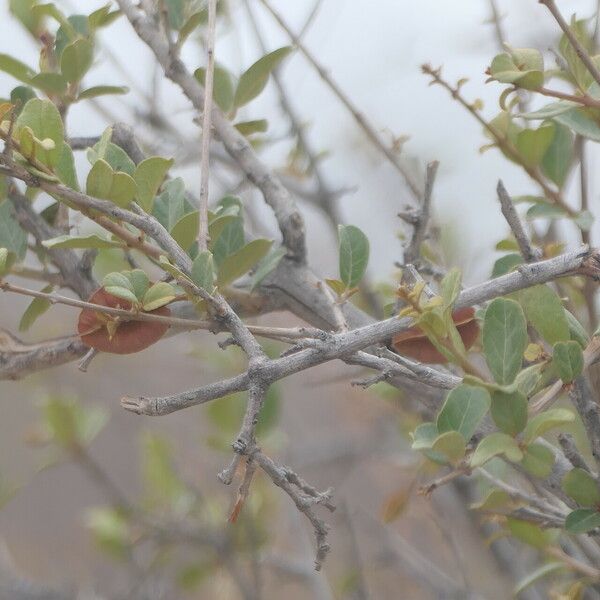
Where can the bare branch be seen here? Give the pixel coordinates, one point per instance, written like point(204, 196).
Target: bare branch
point(528, 253)
point(18, 359)
point(276, 195)
point(342, 345)
point(579, 49)
point(567, 443)
point(413, 250)
point(583, 399)
point(305, 503)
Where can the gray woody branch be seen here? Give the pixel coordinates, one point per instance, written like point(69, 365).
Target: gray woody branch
point(342, 345)
point(289, 219)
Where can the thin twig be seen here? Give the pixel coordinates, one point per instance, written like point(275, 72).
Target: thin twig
point(188, 324)
point(501, 140)
point(579, 49)
point(516, 225)
point(206, 126)
point(344, 344)
point(413, 250)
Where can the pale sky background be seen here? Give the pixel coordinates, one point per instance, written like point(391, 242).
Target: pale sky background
point(374, 51)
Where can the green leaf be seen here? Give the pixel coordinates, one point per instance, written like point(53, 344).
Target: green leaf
point(253, 81)
point(19, 97)
point(36, 308)
point(188, 27)
point(538, 460)
point(102, 17)
point(567, 357)
point(185, 231)
point(545, 210)
point(582, 487)
point(160, 294)
point(533, 144)
point(578, 122)
point(102, 90)
point(582, 520)
point(523, 67)
point(139, 282)
point(249, 127)
point(450, 287)
point(506, 264)
point(229, 241)
point(73, 27)
point(223, 86)
point(558, 159)
point(550, 110)
point(114, 155)
point(51, 10)
point(216, 224)
point(103, 182)
point(116, 279)
point(545, 312)
point(529, 533)
point(51, 83)
point(76, 59)
point(166, 266)
point(576, 330)
point(122, 189)
point(176, 12)
point(148, 176)
point(509, 411)
point(496, 444)
point(171, 204)
point(538, 425)
point(4, 261)
point(494, 500)
point(528, 380)
point(267, 265)
point(21, 9)
point(12, 237)
point(82, 241)
point(203, 272)
point(575, 65)
point(239, 263)
point(463, 409)
point(451, 445)
point(44, 120)
point(424, 435)
point(121, 292)
point(504, 339)
point(16, 68)
point(65, 167)
point(354, 254)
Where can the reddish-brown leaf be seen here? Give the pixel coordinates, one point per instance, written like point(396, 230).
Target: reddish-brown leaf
point(129, 337)
point(413, 343)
